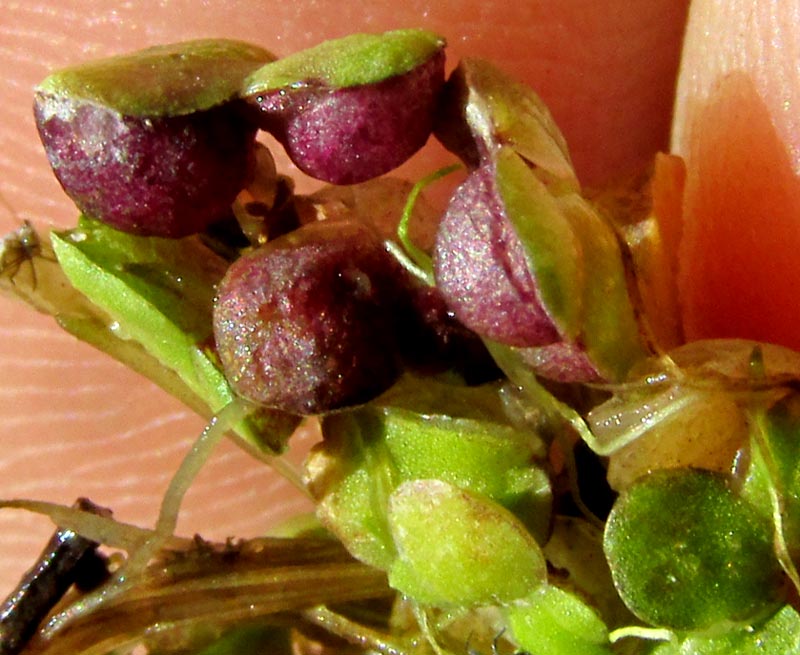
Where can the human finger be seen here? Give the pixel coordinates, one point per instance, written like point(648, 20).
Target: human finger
point(75, 423)
point(736, 125)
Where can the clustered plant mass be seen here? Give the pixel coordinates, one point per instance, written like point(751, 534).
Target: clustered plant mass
point(518, 452)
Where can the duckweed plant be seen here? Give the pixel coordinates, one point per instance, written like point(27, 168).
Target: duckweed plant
point(512, 457)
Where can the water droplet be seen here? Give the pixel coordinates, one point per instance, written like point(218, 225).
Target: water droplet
point(117, 330)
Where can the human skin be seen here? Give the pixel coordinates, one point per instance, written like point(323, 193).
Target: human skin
point(74, 423)
point(737, 122)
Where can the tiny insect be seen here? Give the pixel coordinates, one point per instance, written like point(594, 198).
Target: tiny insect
point(68, 559)
point(20, 246)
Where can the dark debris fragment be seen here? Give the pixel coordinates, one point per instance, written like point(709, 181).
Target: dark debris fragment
point(67, 559)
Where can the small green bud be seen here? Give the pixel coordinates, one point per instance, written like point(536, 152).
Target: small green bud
point(455, 548)
point(551, 621)
point(368, 452)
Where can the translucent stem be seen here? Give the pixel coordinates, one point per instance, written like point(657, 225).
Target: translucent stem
point(353, 632)
point(201, 451)
point(138, 559)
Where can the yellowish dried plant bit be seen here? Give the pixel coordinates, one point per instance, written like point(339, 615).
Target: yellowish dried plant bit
point(379, 202)
point(647, 210)
point(18, 251)
point(266, 208)
point(707, 431)
point(29, 271)
point(691, 408)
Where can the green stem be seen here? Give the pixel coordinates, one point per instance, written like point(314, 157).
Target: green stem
point(420, 258)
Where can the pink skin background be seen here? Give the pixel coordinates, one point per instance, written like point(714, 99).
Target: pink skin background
point(73, 422)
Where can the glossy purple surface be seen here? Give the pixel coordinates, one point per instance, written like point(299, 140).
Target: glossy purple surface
point(349, 135)
point(168, 176)
point(306, 323)
point(481, 269)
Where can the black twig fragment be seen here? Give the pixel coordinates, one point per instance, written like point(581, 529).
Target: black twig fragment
point(67, 559)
